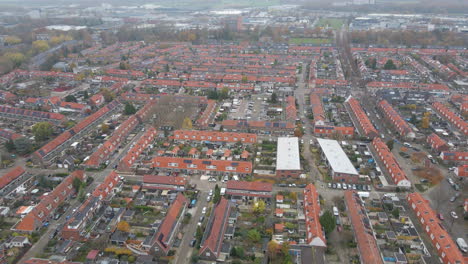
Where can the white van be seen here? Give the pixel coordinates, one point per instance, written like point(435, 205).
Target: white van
point(335, 211)
point(462, 244)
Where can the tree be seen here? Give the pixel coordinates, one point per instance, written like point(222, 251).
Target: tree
point(12, 40)
point(389, 65)
point(259, 207)
point(104, 128)
point(16, 57)
point(187, 124)
point(85, 95)
point(70, 98)
point(124, 65)
point(22, 145)
point(274, 98)
point(42, 131)
point(10, 145)
point(77, 184)
point(129, 109)
point(217, 194)
point(254, 236)
point(123, 226)
point(425, 121)
point(108, 95)
point(390, 144)
point(272, 249)
point(40, 45)
point(396, 212)
point(328, 222)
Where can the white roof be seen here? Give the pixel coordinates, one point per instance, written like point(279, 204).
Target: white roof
point(336, 157)
point(287, 154)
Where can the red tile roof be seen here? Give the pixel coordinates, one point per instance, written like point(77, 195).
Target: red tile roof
point(456, 156)
point(363, 234)
point(200, 135)
point(453, 118)
point(19, 112)
point(132, 155)
point(436, 142)
point(443, 243)
point(217, 226)
point(11, 175)
point(314, 232)
point(254, 189)
point(167, 227)
point(202, 164)
point(363, 120)
point(9, 134)
point(106, 187)
point(397, 121)
point(163, 182)
point(386, 156)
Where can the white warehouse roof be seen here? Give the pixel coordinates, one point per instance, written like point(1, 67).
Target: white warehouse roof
point(287, 154)
point(337, 158)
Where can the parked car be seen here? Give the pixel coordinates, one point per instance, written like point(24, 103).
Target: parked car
point(204, 210)
point(345, 187)
point(338, 185)
point(441, 217)
point(193, 242)
point(329, 185)
point(334, 185)
point(454, 215)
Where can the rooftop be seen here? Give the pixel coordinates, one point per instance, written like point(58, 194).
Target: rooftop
point(336, 157)
point(287, 155)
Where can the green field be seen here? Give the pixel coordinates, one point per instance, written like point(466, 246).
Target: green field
point(317, 41)
point(335, 23)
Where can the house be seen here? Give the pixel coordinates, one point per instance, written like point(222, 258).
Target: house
point(288, 161)
point(315, 236)
point(48, 261)
point(390, 163)
point(341, 168)
point(152, 182)
point(18, 241)
point(15, 179)
point(453, 118)
point(444, 245)
point(202, 165)
point(461, 171)
point(214, 137)
point(30, 116)
point(118, 238)
point(45, 209)
point(437, 143)
point(455, 156)
point(279, 212)
point(400, 125)
point(127, 163)
point(266, 127)
point(211, 247)
point(8, 135)
point(249, 190)
point(363, 234)
point(279, 198)
point(161, 242)
point(360, 118)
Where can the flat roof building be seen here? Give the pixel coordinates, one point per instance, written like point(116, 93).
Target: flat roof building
point(341, 167)
point(288, 161)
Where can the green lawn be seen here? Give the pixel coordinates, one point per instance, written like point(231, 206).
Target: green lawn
point(335, 23)
point(317, 41)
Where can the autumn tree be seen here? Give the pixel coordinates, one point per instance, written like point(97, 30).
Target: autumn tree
point(129, 109)
point(70, 98)
point(272, 249)
point(123, 226)
point(104, 128)
point(42, 131)
point(187, 123)
point(12, 40)
point(259, 207)
point(40, 45)
point(254, 236)
point(108, 95)
point(16, 57)
point(425, 121)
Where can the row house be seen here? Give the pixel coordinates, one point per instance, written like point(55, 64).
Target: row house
point(363, 234)
point(315, 236)
point(50, 150)
point(376, 86)
point(386, 157)
point(213, 246)
point(461, 171)
point(214, 137)
point(328, 131)
point(163, 83)
point(156, 182)
point(162, 241)
point(126, 164)
point(72, 107)
point(30, 116)
point(202, 165)
point(437, 143)
point(207, 115)
point(97, 100)
point(8, 134)
point(400, 125)
point(199, 85)
point(45, 209)
point(291, 111)
point(13, 179)
point(266, 127)
point(317, 109)
point(75, 227)
point(328, 83)
point(6, 96)
point(134, 75)
point(454, 156)
point(235, 86)
point(446, 249)
point(249, 190)
point(109, 147)
point(48, 261)
point(360, 118)
point(453, 118)
point(145, 112)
